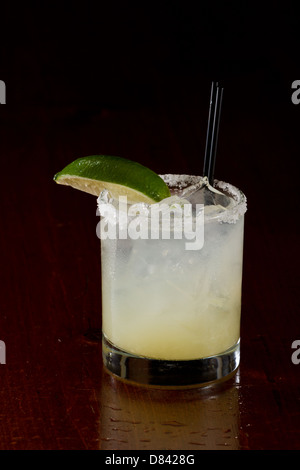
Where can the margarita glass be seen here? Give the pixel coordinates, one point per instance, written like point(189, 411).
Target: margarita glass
point(171, 315)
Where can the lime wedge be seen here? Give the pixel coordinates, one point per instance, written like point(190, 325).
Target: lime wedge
point(121, 177)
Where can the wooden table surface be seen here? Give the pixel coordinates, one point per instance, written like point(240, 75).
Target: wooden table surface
point(54, 393)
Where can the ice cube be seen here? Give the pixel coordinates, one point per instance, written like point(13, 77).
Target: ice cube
point(204, 193)
point(172, 203)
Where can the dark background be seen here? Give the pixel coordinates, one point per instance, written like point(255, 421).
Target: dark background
point(88, 57)
point(133, 79)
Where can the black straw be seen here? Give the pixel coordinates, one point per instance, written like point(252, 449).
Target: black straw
point(216, 97)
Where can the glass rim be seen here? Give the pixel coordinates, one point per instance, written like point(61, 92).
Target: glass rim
point(229, 215)
point(179, 182)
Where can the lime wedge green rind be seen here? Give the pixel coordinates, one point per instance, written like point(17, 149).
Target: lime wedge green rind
point(98, 172)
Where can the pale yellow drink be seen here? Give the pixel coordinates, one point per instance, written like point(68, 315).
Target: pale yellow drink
point(161, 301)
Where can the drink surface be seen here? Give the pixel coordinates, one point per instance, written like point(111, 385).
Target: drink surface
point(162, 301)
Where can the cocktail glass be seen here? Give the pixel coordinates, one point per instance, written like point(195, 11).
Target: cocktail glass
point(171, 315)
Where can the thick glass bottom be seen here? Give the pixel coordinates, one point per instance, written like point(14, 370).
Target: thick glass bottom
point(172, 374)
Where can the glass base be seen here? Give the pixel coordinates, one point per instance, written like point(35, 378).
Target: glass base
point(172, 374)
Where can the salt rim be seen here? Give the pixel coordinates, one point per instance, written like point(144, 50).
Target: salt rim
point(229, 215)
point(185, 180)
point(237, 210)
